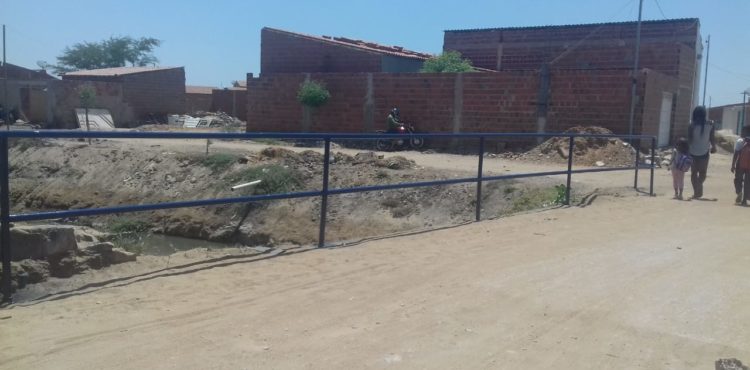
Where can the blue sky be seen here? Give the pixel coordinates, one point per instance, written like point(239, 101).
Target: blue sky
point(219, 41)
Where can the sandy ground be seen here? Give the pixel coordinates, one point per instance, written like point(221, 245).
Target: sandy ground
point(628, 282)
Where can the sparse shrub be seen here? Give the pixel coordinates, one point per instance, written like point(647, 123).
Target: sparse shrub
point(128, 226)
point(560, 195)
point(128, 234)
point(534, 198)
point(218, 162)
point(313, 94)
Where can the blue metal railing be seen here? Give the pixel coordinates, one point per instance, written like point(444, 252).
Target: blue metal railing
point(6, 218)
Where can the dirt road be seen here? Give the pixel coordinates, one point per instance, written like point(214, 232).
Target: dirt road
point(633, 282)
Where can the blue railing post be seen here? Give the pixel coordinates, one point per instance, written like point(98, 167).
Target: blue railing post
point(570, 169)
point(324, 193)
point(637, 147)
point(479, 178)
point(653, 165)
point(5, 220)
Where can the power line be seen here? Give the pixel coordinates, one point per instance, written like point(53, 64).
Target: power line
point(592, 33)
point(736, 74)
point(660, 10)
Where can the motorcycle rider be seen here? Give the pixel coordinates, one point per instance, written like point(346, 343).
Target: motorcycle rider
point(394, 121)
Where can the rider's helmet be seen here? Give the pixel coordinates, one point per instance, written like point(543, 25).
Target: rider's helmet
point(395, 112)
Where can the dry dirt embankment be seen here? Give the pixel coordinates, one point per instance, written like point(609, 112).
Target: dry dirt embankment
point(52, 175)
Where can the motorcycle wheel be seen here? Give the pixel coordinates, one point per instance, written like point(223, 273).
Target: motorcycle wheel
point(383, 145)
point(416, 142)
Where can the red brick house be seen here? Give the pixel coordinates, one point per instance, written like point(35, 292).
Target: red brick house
point(532, 79)
point(669, 47)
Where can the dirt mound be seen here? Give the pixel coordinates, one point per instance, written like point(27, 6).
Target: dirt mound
point(587, 151)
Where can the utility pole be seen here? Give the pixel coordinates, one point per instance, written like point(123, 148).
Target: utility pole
point(742, 114)
point(705, 77)
point(635, 68)
point(6, 106)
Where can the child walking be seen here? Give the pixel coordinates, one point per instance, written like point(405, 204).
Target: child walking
point(741, 167)
point(681, 162)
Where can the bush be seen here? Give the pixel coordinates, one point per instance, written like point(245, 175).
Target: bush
point(218, 162)
point(447, 62)
point(313, 94)
point(124, 226)
point(274, 179)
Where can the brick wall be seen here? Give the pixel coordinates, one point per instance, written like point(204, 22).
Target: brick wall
point(470, 102)
point(584, 46)
point(283, 52)
point(231, 100)
point(653, 88)
point(64, 97)
point(198, 102)
point(590, 98)
point(158, 93)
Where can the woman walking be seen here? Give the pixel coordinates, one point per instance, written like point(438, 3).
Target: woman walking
point(702, 142)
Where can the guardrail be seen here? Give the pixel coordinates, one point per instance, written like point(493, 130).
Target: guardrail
point(6, 218)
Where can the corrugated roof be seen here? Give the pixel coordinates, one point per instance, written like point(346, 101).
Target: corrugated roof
point(359, 44)
point(676, 20)
point(208, 90)
point(117, 71)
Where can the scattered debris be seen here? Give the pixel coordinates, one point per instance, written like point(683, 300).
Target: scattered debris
point(730, 364)
point(586, 151)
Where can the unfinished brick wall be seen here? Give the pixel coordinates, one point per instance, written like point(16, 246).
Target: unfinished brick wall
point(593, 46)
point(655, 85)
point(198, 102)
point(282, 52)
point(64, 98)
point(470, 102)
point(158, 93)
point(230, 100)
point(589, 98)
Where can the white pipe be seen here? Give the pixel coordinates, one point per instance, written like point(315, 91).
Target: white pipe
point(251, 183)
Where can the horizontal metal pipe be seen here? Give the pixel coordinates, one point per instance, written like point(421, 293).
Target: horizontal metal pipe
point(278, 135)
point(153, 207)
point(257, 198)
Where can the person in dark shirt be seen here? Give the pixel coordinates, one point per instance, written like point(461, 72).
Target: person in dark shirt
point(394, 121)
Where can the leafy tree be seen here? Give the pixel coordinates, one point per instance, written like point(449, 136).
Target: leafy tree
point(113, 52)
point(447, 62)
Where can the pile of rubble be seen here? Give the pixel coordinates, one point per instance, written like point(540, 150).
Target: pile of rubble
point(587, 151)
point(206, 119)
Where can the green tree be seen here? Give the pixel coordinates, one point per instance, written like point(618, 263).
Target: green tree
point(313, 94)
point(447, 62)
point(113, 52)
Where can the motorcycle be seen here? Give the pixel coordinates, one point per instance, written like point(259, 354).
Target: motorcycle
point(409, 140)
